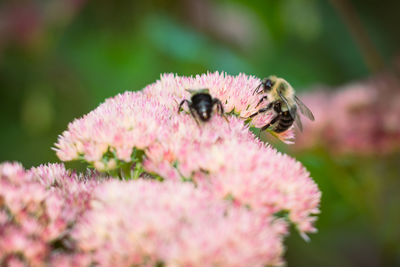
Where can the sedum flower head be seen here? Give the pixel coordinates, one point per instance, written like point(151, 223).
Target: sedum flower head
point(222, 155)
point(227, 212)
point(227, 159)
point(147, 222)
point(137, 119)
point(37, 208)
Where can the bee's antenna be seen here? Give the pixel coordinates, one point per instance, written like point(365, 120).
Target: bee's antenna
point(258, 87)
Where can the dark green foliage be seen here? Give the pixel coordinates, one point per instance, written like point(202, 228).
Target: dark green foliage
point(72, 62)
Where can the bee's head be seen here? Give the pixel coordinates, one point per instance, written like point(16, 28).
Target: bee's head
point(204, 113)
point(269, 83)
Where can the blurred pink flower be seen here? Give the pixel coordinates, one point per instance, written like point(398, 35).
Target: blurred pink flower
point(147, 222)
point(361, 118)
point(37, 207)
point(29, 23)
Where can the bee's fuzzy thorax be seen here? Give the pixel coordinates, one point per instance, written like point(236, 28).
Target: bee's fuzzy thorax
point(284, 88)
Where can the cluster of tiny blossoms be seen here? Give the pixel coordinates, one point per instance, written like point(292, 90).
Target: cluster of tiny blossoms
point(227, 158)
point(360, 118)
point(227, 211)
point(137, 119)
point(52, 217)
point(37, 209)
point(145, 223)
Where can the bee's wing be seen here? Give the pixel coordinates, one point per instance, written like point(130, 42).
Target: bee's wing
point(304, 109)
point(292, 111)
point(298, 122)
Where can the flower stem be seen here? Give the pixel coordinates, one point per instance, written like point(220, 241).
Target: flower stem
point(368, 50)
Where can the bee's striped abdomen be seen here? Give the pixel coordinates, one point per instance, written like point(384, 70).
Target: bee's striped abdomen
point(284, 122)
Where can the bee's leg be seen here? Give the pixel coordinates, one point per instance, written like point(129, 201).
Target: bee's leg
point(265, 127)
point(262, 110)
point(261, 100)
point(220, 108)
point(193, 114)
point(183, 102)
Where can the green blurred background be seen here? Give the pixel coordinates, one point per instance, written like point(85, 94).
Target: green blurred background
point(60, 58)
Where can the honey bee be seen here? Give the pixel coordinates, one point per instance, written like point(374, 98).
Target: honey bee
point(283, 100)
point(202, 104)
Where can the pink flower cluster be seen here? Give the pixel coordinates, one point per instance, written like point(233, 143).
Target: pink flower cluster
point(361, 118)
point(116, 125)
point(226, 158)
point(222, 155)
point(221, 193)
point(37, 209)
point(51, 217)
point(143, 223)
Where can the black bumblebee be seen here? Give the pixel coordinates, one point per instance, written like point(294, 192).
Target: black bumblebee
point(202, 104)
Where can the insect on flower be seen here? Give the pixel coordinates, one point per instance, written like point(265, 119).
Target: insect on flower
point(202, 104)
point(283, 101)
